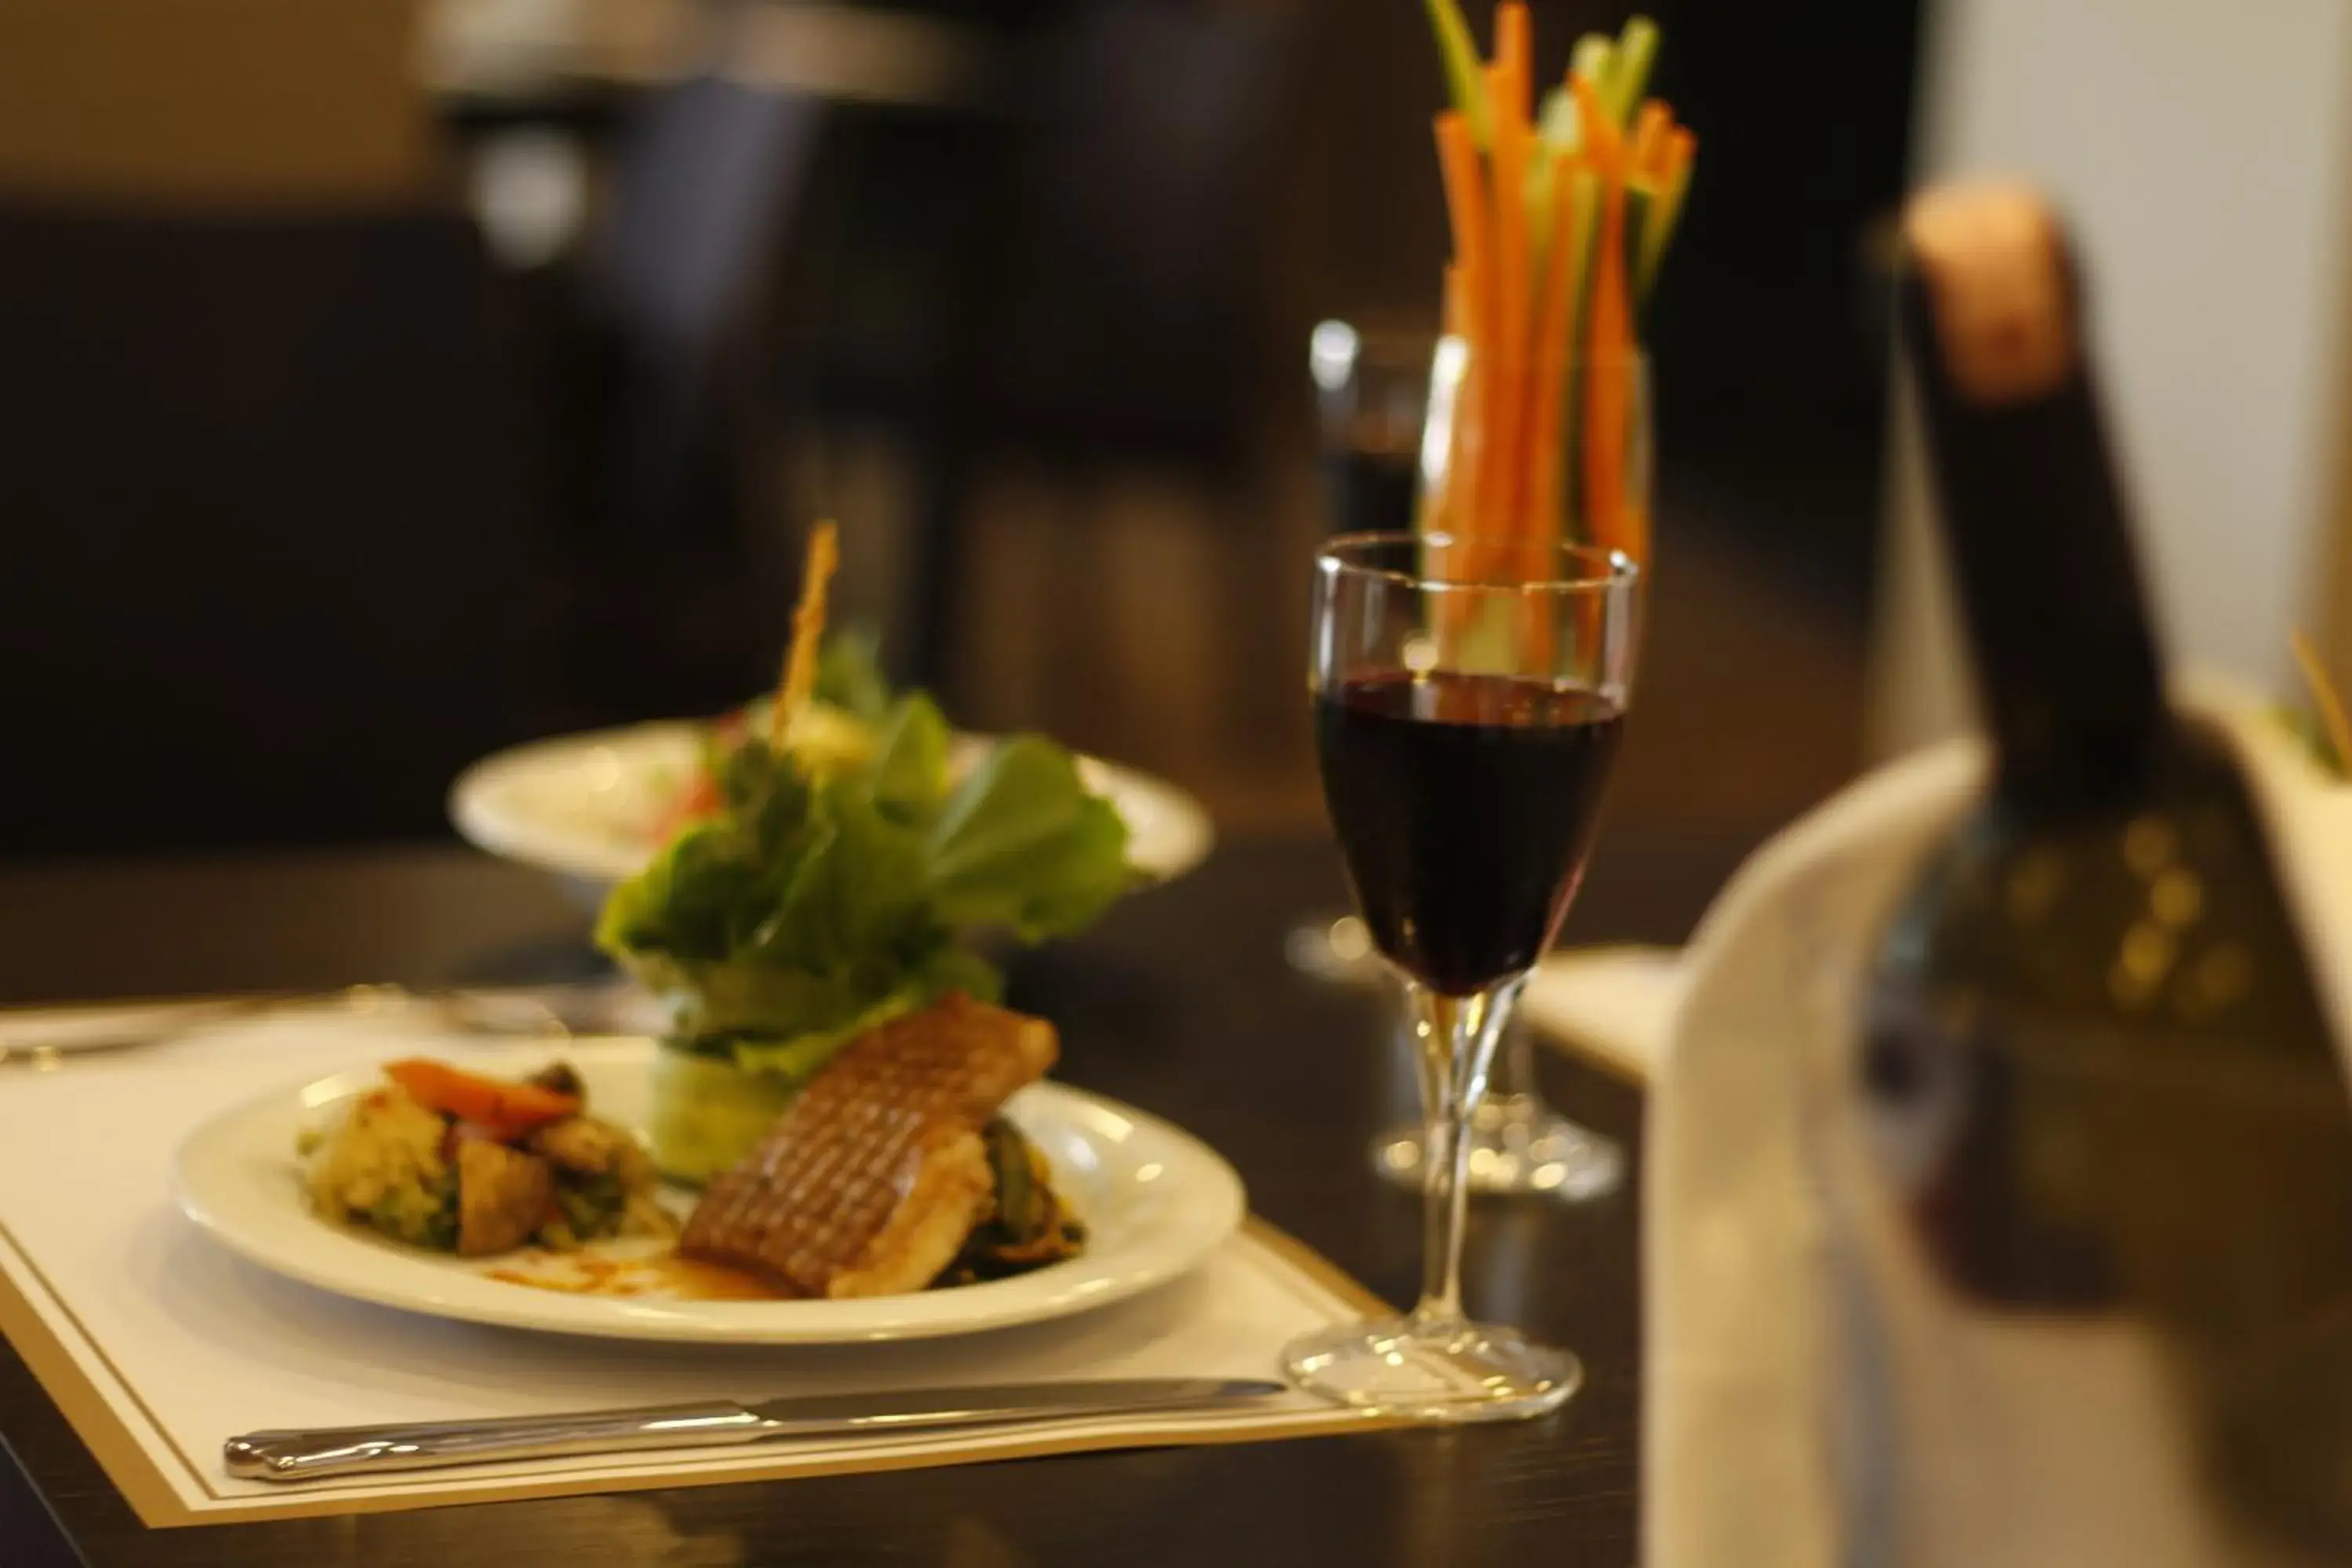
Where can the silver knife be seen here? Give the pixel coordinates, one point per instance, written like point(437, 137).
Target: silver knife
point(415, 1446)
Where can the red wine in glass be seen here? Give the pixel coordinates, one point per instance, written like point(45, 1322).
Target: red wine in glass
point(1465, 805)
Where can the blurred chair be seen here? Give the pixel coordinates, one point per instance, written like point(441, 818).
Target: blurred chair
point(1126, 278)
point(678, 275)
point(671, 477)
point(212, 101)
point(270, 568)
point(1139, 237)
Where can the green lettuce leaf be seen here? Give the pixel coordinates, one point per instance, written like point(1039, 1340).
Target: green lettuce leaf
point(1024, 845)
point(687, 905)
point(799, 1057)
point(910, 764)
point(808, 910)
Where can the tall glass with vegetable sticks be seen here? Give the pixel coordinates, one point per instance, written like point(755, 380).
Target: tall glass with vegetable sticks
point(1563, 197)
point(1467, 695)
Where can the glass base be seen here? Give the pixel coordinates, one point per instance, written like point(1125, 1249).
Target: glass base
point(1519, 1147)
point(1446, 1372)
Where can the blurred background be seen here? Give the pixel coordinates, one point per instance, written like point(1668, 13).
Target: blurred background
point(384, 382)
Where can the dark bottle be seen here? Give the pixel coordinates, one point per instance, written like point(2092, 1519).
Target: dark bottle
point(2095, 1060)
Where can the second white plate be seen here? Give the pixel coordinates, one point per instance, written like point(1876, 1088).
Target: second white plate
point(1156, 1201)
point(592, 806)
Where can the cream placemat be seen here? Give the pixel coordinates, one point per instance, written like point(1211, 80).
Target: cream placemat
point(157, 1343)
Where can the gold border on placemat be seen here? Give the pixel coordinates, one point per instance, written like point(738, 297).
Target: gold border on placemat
point(1316, 1267)
point(143, 1484)
point(153, 1496)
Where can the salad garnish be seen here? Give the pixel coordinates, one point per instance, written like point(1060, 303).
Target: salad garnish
point(824, 895)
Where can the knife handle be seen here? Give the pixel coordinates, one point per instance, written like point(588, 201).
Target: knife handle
point(303, 1456)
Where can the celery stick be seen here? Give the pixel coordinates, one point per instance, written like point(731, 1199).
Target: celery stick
point(1641, 201)
point(1585, 192)
point(1629, 68)
point(1665, 211)
point(1591, 59)
point(1465, 73)
point(1542, 202)
point(1561, 130)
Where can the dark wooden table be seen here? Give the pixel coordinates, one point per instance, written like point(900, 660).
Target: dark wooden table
point(1181, 1002)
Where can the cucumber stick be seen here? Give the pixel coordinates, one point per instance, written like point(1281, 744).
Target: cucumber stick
point(1591, 59)
point(1466, 74)
point(1666, 209)
point(1561, 130)
point(1629, 68)
point(1641, 205)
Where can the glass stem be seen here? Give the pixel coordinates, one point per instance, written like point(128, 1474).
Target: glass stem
point(1453, 1039)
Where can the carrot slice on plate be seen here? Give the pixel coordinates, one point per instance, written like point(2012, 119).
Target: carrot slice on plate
point(506, 1109)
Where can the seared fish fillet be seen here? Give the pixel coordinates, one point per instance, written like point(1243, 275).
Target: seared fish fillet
point(870, 1182)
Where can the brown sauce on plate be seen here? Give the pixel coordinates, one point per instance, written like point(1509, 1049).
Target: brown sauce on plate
point(659, 1277)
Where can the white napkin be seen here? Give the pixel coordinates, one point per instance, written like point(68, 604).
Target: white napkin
point(1812, 1402)
point(1613, 1006)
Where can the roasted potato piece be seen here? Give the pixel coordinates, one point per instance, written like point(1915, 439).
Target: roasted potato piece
point(561, 1078)
point(589, 1147)
point(502, 1194)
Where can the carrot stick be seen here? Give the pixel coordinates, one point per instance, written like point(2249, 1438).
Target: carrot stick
point(1682, 148)
point(1514, 57)
point(808, 631)
point(1604, 142)
point(1467, 204)
point(1513, 93)
point(1674, 183)
point(1453, 319)
point(1505, 480)
point(1510, 89)
point(1557, 313)
point(1609, 364)
point(1655, 124)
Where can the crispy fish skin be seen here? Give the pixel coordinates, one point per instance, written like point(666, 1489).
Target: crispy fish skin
point(872, 1178)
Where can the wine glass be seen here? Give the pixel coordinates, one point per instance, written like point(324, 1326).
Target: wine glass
point(1372, 406)
point(1371, 402)
point(1468, 695)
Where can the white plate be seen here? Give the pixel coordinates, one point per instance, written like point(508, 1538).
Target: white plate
point(1156, 1201)
point(592, 806)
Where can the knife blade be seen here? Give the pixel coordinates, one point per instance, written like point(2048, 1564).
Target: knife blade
point(317, 1454)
